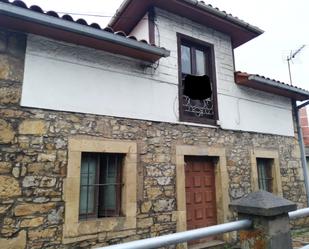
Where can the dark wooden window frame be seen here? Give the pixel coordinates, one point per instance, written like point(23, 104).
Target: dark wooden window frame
point(269, 180)
point(97, 200)
point(210, 63)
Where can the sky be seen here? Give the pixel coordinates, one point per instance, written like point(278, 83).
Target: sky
point(285, 23)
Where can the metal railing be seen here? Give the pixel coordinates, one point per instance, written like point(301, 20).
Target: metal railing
point(181, 237)
point(300, 213)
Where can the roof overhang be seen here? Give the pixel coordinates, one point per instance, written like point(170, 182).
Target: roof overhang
point(27, 21)
point(240, 31)
point(271, 86)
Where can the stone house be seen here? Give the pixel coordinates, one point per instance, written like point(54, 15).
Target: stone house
point(100, 145)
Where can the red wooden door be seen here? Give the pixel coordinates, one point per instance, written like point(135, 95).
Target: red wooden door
point(200, 193)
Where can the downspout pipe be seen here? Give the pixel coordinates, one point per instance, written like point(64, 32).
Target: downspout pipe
point(302, 146)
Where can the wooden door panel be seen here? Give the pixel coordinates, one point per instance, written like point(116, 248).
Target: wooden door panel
point(197, 181)
point(199, 213)
point(200, 194)
point(198, 198)
point(209, 197)
point(208, 181)
point(210, 213)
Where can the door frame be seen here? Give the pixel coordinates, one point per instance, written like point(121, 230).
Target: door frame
point(221, 182)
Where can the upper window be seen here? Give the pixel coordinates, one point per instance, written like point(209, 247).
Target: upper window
point(264, 169)
point(196, 59)
point(100, 186)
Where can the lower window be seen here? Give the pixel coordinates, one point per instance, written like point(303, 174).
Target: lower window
point(264, 169)
point(100, 185)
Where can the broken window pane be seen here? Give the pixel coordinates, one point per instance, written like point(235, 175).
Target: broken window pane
point(197, 102)
point(185, 60)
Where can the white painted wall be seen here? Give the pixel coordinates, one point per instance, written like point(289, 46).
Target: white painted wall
point(66, 77)
point(240, 108)
point(70, 78)
point(141, 30)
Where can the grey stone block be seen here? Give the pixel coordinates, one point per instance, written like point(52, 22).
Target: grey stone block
point(263, 203)
point(282, 241)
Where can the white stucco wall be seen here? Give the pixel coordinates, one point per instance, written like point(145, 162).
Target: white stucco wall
point(141, 30)
point(59, 76)
point(240, 108)
point(66, 77)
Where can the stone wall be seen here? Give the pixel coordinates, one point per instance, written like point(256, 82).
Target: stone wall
point(33, 160)
point(304, 125)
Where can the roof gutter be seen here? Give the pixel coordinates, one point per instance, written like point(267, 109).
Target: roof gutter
point(224, 15)
point(277, 85)
point(24, 14)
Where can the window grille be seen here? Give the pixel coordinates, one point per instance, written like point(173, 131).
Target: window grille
point(196, 58)
point(265, 179)
point(100, 185)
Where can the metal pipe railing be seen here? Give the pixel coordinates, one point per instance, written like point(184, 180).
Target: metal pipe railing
point(299, 213)
point(305, 247)
point(176, 238)
point(181, 237)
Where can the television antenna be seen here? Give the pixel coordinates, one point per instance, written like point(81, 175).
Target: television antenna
point(291, 57)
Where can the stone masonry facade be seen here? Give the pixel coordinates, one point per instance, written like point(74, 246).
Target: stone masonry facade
point(34, 157)
point(305, 126)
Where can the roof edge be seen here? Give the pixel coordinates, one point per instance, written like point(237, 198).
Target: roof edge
point(226, 16)
point(117, 15)
point(264, 84)
point(200, 5)
point(61, 24)
point(276, 84)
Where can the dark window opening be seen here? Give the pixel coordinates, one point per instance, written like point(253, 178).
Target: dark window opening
point(265, 179)
point(197, 87)
point(100, 185)
point(197, 95)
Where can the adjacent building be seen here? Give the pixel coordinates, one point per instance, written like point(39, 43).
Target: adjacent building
point(305, 130)
point(100, 143)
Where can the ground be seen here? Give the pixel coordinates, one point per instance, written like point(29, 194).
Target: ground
point(300, 237)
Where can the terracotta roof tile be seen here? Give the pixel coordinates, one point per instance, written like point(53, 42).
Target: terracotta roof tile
point(267, 78)
point(223, 11)
point(69, 18)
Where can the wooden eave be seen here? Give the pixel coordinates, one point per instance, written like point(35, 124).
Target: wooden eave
point(239, 31)
point(271, 86)
point(30, 22)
